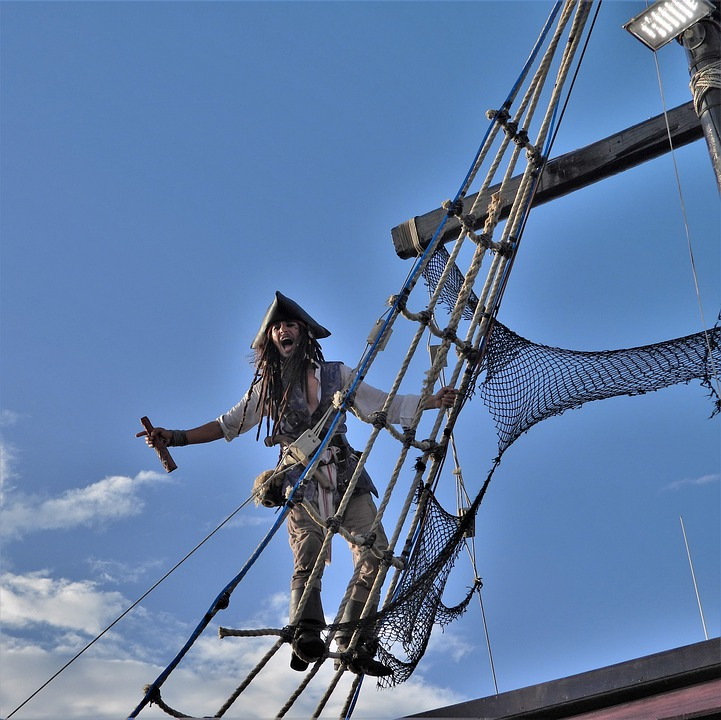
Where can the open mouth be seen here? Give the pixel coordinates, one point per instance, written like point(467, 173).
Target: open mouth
point(286, 343)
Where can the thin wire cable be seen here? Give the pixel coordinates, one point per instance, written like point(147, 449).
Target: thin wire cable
point(684, 215)
point(133, 606)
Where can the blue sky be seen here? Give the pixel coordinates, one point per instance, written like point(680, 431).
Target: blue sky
point(165, 168)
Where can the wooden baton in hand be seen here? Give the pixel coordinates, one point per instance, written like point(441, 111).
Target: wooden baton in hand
point(160, 448)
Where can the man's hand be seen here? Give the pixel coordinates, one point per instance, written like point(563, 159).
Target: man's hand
point(156, 437)
point(444, 398)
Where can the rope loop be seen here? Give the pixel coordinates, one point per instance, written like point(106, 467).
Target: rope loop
point(704, 80)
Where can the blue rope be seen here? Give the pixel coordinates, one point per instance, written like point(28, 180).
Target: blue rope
point(221, 601)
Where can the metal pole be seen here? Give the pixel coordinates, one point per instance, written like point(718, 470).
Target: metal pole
point(693, 577)
point(702, 43)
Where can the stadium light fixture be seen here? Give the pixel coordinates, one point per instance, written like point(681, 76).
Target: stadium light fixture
point(661, 22)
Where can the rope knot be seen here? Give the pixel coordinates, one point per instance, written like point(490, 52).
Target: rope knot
point(449, 334)
point(222, 602)
point(521, 138)
point(436, 452)
point(500, 115)
point(453, 208)
point(369, 540)
point(408, 437)
point(510, 127)
point(484, 240)
point(535, 156)
point(333, 523)
point(379, 419)
point(505, 248)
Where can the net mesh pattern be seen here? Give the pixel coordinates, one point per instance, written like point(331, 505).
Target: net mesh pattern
point(452, 287)
point(524, 383)
point(406, 624)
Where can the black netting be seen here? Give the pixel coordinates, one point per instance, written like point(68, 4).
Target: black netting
point(524, 384)
point(449, 293)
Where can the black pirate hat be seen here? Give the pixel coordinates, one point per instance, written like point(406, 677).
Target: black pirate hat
point(283, 308)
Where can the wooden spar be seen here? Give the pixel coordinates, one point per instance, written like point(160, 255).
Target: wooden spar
point(566, 173)
point(163, 454)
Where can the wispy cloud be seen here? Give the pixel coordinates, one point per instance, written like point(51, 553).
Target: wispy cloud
point(116, 572)
point(112, 498)
point(693, 482)
point(8, 418)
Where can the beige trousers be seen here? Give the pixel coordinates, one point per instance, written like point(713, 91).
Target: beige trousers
point(306, 538)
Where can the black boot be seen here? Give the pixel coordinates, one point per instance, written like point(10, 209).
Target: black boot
point(307, 644)
point(360, 658)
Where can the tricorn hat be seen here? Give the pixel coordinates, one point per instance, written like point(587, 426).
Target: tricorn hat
point(283, 308)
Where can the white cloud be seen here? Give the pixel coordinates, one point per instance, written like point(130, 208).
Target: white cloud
point(694, 482)
point(7, 465)
point(449, 643)
point(37, 598)
point(112, 498)
point(106, 689)
point(106, 681)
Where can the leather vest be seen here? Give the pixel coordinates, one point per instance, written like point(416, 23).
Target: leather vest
point(297, 419)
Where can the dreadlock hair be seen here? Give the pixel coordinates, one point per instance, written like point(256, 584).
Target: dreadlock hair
point(277, 375)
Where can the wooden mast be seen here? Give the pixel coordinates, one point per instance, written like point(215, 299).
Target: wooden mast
point(566, 173)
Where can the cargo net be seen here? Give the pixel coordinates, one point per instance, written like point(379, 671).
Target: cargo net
point(524, 384)
point(406, 624)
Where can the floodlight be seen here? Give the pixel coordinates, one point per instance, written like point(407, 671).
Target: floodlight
point(666, 19)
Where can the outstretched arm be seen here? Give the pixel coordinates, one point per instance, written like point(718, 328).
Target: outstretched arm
point(172, 438)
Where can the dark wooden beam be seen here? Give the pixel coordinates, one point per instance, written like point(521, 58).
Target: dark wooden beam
point(566, 173)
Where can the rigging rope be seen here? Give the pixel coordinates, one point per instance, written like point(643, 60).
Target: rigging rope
point(413, 602)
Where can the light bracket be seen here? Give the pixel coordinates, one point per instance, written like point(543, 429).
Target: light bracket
point(661, 22)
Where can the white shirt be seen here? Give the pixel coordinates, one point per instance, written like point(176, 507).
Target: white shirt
point(367, 400)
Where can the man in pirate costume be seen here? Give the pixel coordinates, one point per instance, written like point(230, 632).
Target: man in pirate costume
point(292, 392)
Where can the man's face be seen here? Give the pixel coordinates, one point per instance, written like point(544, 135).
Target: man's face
point(284, 335)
